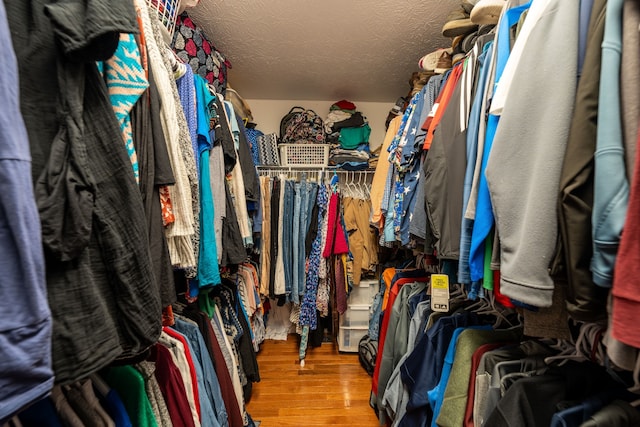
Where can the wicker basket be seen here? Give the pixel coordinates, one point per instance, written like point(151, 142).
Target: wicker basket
point(304, 155)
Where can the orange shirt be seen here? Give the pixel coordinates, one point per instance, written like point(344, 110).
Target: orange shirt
point(435, 115)
point(387, 276)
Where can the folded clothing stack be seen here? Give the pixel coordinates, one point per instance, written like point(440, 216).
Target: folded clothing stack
point(348, 133)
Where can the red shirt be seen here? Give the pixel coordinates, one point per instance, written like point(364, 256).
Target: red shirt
point(475, 361)
point(626, 292)
point(336, 241)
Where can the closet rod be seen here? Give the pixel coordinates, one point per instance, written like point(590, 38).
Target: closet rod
point(283, 169)
point(316, 174)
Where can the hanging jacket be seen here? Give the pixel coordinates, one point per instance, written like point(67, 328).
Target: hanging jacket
point(585, 301)
point(611, 191)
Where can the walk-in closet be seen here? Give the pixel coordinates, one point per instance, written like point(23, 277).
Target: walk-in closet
point(293, 213)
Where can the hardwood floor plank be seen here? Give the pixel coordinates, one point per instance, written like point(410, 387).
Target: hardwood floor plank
point(334, 421)
point(332, 389)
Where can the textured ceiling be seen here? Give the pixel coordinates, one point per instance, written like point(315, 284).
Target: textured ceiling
point(363, 50)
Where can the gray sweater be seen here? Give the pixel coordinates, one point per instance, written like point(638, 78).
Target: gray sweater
point(524, 166)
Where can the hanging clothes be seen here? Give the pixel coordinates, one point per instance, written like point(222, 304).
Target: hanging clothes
point(362, 239)
point(585, 301)
point(27, 373)
point(611, 190)
point(208, 269)
point(524, 264)
point(155, 172)
point(473, 149)
point(181, 233)
point(107, 237)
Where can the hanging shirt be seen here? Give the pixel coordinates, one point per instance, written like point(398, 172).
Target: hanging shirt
point(394, 151)
point(181, 233)
point(25, 357)
point(528, 156)
point(308, 312)
point(129, 384)
point(440, 105)
point(208, 269)
point(183, 361)
point(187, 92)
point(410, 151)
point(126, 81)
point(585, 302)
point(252, 137)
point(418, 220)
point(377, 185)
point(336, 243)
point(483, 213)
point(611, 188)
point(444, 176)
point(204, 401)
point(503, 84)
point(67, 112)
point(475, 117)
point(236, 180)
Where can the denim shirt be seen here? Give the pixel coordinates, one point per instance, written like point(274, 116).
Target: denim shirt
point(207, 378)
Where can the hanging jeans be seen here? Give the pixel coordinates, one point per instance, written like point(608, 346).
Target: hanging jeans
point(295, 247)
point(287, 236)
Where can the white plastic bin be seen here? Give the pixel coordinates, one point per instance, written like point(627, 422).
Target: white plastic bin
point(357, 315)
point(349, 337)
point(364, 293)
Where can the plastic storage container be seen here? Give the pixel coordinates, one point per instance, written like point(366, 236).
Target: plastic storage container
point(349, 338)
point(304, 155)
point(357, 315)
point(364, 293)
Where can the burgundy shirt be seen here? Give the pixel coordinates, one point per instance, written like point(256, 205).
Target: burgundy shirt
point(172, 387)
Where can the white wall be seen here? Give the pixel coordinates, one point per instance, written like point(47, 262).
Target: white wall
point(267, 113)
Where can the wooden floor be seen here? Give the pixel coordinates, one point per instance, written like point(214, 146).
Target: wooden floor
point(331, 389)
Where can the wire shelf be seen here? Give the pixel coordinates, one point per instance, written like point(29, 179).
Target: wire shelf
point(355, 184)
point(167, 12)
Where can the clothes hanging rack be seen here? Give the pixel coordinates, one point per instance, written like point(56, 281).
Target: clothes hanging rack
point(364, 176)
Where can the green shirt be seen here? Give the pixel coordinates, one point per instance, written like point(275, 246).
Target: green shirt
point(129, 384)
point(350, 138)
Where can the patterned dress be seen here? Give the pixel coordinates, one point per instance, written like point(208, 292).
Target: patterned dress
point(308, 315)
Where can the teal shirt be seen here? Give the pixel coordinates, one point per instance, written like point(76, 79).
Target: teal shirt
point(350, 138)
point(208, 269)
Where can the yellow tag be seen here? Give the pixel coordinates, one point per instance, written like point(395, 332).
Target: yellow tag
point(440, 292)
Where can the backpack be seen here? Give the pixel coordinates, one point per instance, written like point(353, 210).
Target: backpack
point(300, 126)
point(367, 352)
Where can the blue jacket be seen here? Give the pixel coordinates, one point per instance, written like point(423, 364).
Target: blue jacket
point(611, 191)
